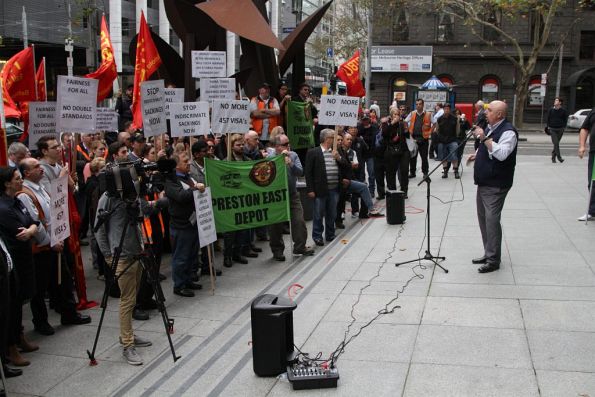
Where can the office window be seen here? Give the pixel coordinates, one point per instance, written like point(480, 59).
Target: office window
point(446, 28)
point(400, 28)
point(587, 48)
point(494, 17)
point(127, 28)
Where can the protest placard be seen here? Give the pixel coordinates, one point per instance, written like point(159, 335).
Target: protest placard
point(107, 120)
point(42, 121)
point(248, 194)
point(172, 95)
point(189, 118)
point(207, 64)
point(338, 110)
point(217, 89)
point(76, 104)
point(205, 219)
point(2, 118)
point(300, 127)
point(230, 116)
point(59, 219)
point(153, 107)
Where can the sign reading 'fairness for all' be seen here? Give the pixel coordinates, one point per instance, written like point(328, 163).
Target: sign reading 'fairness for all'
point(76, 104)
point(153, 107)
point(338, 110)
point(172, 95)
point(230, 117)
point(42, 121)
point(189, 118)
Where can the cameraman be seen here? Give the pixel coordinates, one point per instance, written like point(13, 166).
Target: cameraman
point(128, 269)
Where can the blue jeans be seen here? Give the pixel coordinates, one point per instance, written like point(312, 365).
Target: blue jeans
point(361, 189)
point(184, 244)
point(327, 207)
point(369, 165)
point(448, 151)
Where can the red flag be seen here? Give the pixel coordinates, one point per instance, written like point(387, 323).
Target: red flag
point(147, 62)
point(349, 73)
point(41, 93)
point(18, 78)
point(106, 73)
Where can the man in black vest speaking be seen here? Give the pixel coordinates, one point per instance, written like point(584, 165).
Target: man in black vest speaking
point(495, 160)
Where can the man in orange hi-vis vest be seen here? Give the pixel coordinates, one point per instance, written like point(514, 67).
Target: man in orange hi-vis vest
point(420, 128)
point(264, 110)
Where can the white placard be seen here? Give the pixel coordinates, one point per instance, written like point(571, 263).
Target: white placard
point(42, 121)
point(76, 104)
point(59, 224)
point(172, 95)
point(338, 110)
point(152, 100)
point(107, 120)
point(189, 118)
point(404, 58)
point(205, 219)
point(213, 89)
point(230, 117)
point(207, 64)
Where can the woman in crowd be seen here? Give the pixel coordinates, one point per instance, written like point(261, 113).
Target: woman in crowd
point(17, 229)
point(396, 155)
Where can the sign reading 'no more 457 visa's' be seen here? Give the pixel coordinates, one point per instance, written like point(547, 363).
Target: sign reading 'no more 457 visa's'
point(338, 110)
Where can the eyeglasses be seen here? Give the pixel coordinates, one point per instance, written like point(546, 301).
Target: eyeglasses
point(284, 144)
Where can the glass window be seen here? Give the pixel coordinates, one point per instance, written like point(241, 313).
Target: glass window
point(446, 28)
point(493, 17)
point(400, 28)
point(126, 27)
point(587, 49)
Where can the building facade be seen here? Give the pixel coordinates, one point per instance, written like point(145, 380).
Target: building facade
point(475, 70)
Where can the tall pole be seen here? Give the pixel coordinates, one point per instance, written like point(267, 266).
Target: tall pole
point(559, 76)
point(25, 33)
point(68, 47)
point(369, 54)
point(35, 73)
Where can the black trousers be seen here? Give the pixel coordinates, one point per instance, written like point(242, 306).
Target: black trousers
point(422, 151)
point(15, 320)
point(379, 174)
point(397, 163)
point(4, 310)
point(46, 277)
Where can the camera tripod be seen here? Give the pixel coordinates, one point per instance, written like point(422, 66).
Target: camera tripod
point(147, 262)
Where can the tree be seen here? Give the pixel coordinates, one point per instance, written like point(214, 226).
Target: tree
point(482, 18)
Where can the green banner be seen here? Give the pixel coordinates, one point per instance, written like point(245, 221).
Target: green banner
point(248, 194)
point(300, 127)
point(592, 171)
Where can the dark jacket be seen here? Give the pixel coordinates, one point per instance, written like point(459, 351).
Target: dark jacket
point(181, 202)
point(395, 135)
point(124, 109)
point(493, 172)
point(316, 179)
point(448, 127)
point(369, 136)
point(557, 118)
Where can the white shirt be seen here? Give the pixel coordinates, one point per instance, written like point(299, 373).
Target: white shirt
point(505, 145)
point(437, 115)
point(43, 230)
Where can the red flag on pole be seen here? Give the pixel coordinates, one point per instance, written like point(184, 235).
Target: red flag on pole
point(147, 62)
point(18, 78)
point(41, 87)
point(106, 73)
point(349, 73)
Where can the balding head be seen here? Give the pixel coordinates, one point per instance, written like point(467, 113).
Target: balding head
point(251, 139)
point(496, 111)
point(31, 170)
point(479, 105)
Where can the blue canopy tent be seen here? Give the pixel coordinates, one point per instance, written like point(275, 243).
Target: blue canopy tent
point(434, 91)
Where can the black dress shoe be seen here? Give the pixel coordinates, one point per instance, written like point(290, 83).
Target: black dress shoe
point(78, 319)
point(150, 304)
point(412, 175)
point(11, 372)
point(330, 239)
point(250, 254)
point(489, 267)
point(184, 292)
point(140, 315)
point(227, 262)
point(381, 197)
point(194, 286)
point(560, 159)
point(319, 243)
point(279, 257)
point(205, 272)
point(194, 276)
point(306, 252)
point(239, 259)
point(162, 277)
point(479, 261)
point(44, 329)
point(256, 249)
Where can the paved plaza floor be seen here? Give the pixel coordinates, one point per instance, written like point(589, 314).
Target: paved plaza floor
point(525, 330)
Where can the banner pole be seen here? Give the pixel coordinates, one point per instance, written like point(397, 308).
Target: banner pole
point(210, 256)
point(228, 146)
point(59, 268)
point(335, 138)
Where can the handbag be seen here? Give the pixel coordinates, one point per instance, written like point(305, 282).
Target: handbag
point(412, 146)
point(546, 130)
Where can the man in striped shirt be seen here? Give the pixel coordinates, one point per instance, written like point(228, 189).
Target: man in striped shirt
point(323, 165)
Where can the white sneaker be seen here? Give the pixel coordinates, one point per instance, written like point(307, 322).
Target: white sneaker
point(140, 342)
point(132, 356)
point(584, 218)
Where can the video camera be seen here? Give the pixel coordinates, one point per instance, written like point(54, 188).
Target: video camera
point(125, 179)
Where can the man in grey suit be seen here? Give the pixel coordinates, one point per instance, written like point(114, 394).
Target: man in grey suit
point(495, 161)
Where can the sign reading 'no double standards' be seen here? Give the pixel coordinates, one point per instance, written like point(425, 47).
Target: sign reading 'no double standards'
point(230, 117)
point(152, 98)
point(76, 104)
point(338, 110)
point(42, 121)
point(189, 118)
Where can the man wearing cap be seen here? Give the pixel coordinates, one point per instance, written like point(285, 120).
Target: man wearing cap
point(264, 110)
point(138, 145)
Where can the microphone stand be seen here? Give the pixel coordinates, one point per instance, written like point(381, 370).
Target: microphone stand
point(429, 256)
